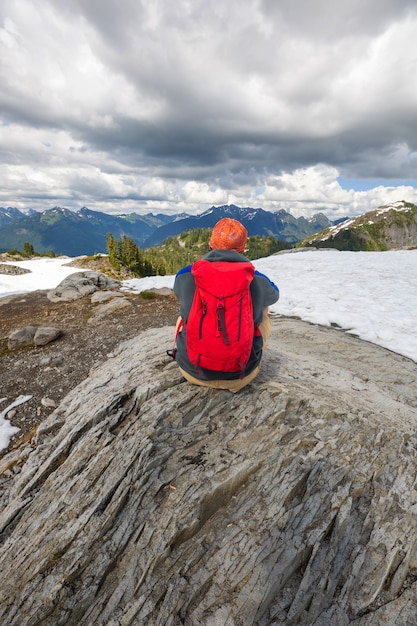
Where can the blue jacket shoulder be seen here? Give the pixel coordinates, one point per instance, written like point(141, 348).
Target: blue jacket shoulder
point(184, 270)
point(257, 273)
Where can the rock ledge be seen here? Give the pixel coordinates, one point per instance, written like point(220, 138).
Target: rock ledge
point(145, 500)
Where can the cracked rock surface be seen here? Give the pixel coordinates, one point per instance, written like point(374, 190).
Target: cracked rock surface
point(145, 500)
point(89, 328)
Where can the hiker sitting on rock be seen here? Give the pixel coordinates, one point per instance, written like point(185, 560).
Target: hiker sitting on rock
point(224, 323)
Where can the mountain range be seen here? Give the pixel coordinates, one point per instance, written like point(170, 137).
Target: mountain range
point(389, 227)
point(73, 233)
point(76, 233)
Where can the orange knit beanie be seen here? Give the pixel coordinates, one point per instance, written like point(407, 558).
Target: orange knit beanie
point(229, 234)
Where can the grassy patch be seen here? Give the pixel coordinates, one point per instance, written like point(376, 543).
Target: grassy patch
point(148, 295)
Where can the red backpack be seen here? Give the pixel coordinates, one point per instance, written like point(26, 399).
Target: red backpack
point(220, 326)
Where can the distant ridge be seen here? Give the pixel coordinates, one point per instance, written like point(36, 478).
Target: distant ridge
point(9, 216)
point(281, 225)
point(75, 233)
point(389, 227)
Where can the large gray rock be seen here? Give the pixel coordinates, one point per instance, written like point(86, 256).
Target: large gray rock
point(81, 284)
point(146, 500)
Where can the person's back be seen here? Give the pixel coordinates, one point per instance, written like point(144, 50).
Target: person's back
point(205, 353)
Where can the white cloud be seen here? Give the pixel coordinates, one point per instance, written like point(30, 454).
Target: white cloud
point(201, 194)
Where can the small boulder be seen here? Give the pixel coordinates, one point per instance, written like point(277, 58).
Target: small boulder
point(109, 308)
point(53, 361)
point(161, 291)
point(48, 402)
point(46, 334)
point(99, 297)
point(21, 337)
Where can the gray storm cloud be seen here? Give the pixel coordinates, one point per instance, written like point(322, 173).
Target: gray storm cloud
point(176, 106)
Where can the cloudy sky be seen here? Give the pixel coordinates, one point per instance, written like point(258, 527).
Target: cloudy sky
point(151, 105)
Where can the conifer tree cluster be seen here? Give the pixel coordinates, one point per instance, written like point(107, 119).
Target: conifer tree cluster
point(125, 253)
point(29, 251)
point(177, 251)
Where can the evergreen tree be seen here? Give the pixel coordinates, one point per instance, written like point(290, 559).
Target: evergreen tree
point(28, 249)
point(113, 251)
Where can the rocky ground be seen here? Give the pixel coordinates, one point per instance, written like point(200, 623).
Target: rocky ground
point(49, 372)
